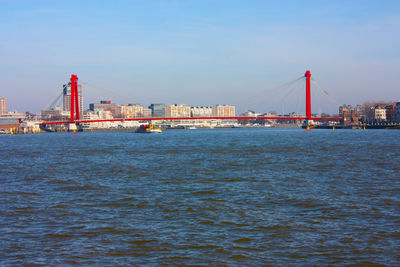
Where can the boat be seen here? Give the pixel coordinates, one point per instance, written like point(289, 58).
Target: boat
point(149, 128)
point(191, 128)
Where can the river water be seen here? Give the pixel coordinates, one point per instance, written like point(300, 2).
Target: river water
point(201, 197)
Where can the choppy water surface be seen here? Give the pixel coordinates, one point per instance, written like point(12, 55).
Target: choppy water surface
point(204, 197)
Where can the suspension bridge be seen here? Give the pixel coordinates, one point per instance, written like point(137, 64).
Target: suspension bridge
point(75, 116)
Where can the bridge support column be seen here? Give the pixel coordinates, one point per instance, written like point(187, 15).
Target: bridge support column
point(308, 96)
point(72, 102)
point(72, 127)
point(74, 98)
point(74, 84)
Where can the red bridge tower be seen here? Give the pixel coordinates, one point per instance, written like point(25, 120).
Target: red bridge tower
point(308, 95)
point(74, 99)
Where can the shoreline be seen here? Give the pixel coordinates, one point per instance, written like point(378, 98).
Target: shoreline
point(326, 127)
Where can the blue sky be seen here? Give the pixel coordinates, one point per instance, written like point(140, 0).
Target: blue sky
point(200, 52)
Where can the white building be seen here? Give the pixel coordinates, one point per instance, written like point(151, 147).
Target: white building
point(97, 115)
point(201, 111)
point(379, 113)
point(250, 113)
point(31, 126)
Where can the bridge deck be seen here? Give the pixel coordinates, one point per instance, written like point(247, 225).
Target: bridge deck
point(195, 118)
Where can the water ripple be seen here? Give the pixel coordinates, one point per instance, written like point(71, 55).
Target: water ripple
point(205, 197)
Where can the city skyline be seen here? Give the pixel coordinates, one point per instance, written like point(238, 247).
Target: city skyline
point(199, 53)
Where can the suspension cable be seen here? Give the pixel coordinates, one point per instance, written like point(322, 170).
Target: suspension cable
point(273, 89)
point(102, 89)
point(333, 100)
point(291, 91)
point(54, 101)
point(294, 88)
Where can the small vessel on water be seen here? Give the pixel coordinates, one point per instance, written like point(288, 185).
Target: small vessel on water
point(149, 128)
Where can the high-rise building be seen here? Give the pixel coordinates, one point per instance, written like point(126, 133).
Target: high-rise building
point(67, 97)
point(2, 105)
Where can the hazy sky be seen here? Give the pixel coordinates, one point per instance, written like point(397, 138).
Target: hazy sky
point(200, 52)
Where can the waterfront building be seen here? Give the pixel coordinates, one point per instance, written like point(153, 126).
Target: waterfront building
point(201, 111)
point(223, 111)
point(344, 114)
point(177, 110)
point(251, 113)
point(390, 112)
point(397, 112)
point(379, 113)
point(13, 115)
point(131, 111)
point(2, 105)
point(343, 108)
point(67, 97)
point(248, 113)
point(30, 126)
point(55, 114)
point(107, 106)
point(157, 110)
point(361, 111)
point(99, 114)
point(9, 125)
point(9, 121)
point(147, 113)
point(350, 115)
point(298, 121)
point(369, 112)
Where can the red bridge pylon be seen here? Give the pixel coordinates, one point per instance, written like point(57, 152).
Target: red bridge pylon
point(74, 99)
point(308, 95)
